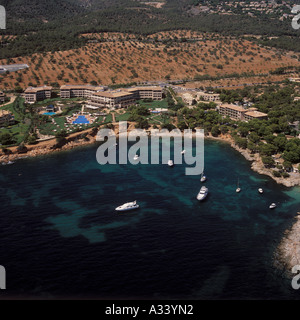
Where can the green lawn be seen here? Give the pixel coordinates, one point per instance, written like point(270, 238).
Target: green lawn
point(159, 119)
point(108, 118)
point(154, 104)
point(64, 101)
point(18, 131)
point(123, 117)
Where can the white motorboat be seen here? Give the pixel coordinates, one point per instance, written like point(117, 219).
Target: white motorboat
point(202, 193)
point(170, 163)
point(183, 152)
point(273, 206)
point(136, 157)
point(260, 190)
point(128, 206)
point(203, 177)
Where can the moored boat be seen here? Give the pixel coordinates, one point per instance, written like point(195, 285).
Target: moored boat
point(128, 206)
point(273, 206)
point(202, 193)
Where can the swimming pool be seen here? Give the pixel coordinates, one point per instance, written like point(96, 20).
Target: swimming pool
point(49, 113)
point(81, 120)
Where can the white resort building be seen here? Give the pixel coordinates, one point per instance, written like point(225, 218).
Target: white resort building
point(34, 94)
point(239, 113)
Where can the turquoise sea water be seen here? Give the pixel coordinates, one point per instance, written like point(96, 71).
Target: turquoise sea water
point(60, 235)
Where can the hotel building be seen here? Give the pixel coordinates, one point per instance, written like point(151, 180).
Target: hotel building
point(254, 114)
point(78, 91)
point(112, 99)
point(238, 113)
point(33, 95)
point(124, 98)
point(211, 97)
point(154, 93)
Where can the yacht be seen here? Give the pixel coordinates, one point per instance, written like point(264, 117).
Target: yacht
point(128, 206)
point(202, 193)
point(170, 163)
point(136, 157)
point(203, 177)
point(273, 206)
point(260, 190)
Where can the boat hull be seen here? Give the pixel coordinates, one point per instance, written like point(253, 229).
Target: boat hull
point(120, 209)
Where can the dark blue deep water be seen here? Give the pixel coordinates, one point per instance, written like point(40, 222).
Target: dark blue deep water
point(60, 235)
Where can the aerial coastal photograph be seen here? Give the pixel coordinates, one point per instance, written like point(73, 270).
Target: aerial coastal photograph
point(149, 151)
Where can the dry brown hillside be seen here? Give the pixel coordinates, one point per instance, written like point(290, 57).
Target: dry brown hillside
point(120, 58)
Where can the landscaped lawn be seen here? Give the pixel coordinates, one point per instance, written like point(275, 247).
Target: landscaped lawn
point(122, 117)
point(154, 104)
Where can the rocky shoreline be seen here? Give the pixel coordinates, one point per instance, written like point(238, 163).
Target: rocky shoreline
point(49, 146)
point(257, 164)
point(74, 141)
point(287, 254)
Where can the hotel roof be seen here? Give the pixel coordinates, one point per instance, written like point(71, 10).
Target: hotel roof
point(153, 88)
point(37, 89)
point(233, 107)
point(113, 94)
point(80, 86)
point(256, 114)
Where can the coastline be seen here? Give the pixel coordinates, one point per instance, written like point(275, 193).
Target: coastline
point(287, 254)
point(257, 164)
point(47, 147)
point(74, 140)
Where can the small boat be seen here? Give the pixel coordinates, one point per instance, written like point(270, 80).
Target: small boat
point(136, 157)
point(202, 193)
point(203, 177)
point(238, 189)
point(273, 206)
point(128, 206)
point(7, 163)
point(170, 163)
point(260, 190)
point(183, 152)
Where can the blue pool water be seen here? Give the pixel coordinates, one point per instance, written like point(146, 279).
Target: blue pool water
point(81, 120)
point(49, 113)
point(61, 237)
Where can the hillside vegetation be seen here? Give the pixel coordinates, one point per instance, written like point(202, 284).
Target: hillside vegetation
point(41, 26)
point(114, 58)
